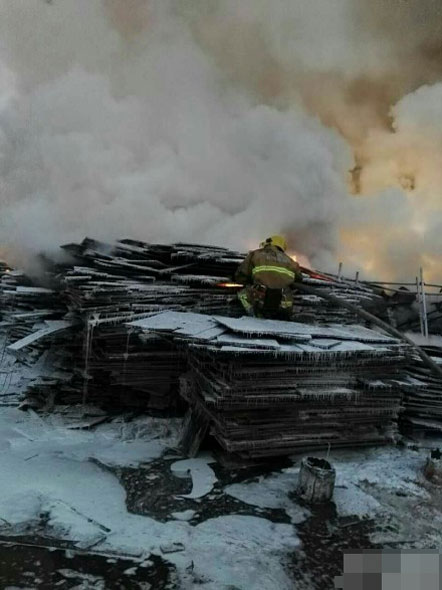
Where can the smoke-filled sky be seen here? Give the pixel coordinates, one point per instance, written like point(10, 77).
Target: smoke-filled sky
point(224, 121)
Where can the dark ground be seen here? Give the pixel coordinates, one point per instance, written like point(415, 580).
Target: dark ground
point(151, 491)
point(26, 565)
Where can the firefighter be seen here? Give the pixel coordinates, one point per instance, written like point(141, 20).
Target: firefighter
point(268, 274)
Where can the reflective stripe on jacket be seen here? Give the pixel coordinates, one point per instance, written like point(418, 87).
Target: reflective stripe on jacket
point(268, 266)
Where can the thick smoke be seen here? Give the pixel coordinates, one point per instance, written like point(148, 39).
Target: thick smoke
point(222, 122)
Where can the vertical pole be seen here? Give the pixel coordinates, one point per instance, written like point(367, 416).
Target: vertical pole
point(419, 303)
point(357, 279)
point(86, 353)
point(340, 271)
point(424, 303)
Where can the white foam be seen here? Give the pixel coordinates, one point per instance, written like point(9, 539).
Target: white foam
point(45, 470)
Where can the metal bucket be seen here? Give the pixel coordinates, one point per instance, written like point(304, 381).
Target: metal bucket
point(433, 467)
point(316, 480)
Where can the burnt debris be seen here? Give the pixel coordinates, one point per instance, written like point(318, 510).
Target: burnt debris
point(273, 388)
point(98, 331)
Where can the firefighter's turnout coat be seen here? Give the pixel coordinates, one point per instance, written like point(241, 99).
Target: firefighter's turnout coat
point(268, 274)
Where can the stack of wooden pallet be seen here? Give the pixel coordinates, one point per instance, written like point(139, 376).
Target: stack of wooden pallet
point(34, 332)
point(136, 278)
point(272, 388)
point(422, 396)
point(75, 332)
point(115, 283)
point(29, 314)
point(314, 309)
point(23, 305)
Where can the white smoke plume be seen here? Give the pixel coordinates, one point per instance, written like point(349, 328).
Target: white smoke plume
point(221, 121)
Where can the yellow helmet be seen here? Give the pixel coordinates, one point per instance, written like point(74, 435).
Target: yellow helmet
point(278, 241)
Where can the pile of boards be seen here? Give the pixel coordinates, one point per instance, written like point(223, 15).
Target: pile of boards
point(111, 284)
point(67, 339)
point(131, 277)
point(314, 309)
point(24, 306)
point(35, 330)
point(423, 396)
point(74, 334)
point(269, 388)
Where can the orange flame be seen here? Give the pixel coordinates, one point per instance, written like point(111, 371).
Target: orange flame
point(230, 285)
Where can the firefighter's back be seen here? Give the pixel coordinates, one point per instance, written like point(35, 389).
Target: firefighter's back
point(273, 268)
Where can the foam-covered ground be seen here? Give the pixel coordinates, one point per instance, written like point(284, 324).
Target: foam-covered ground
point(64, 484)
